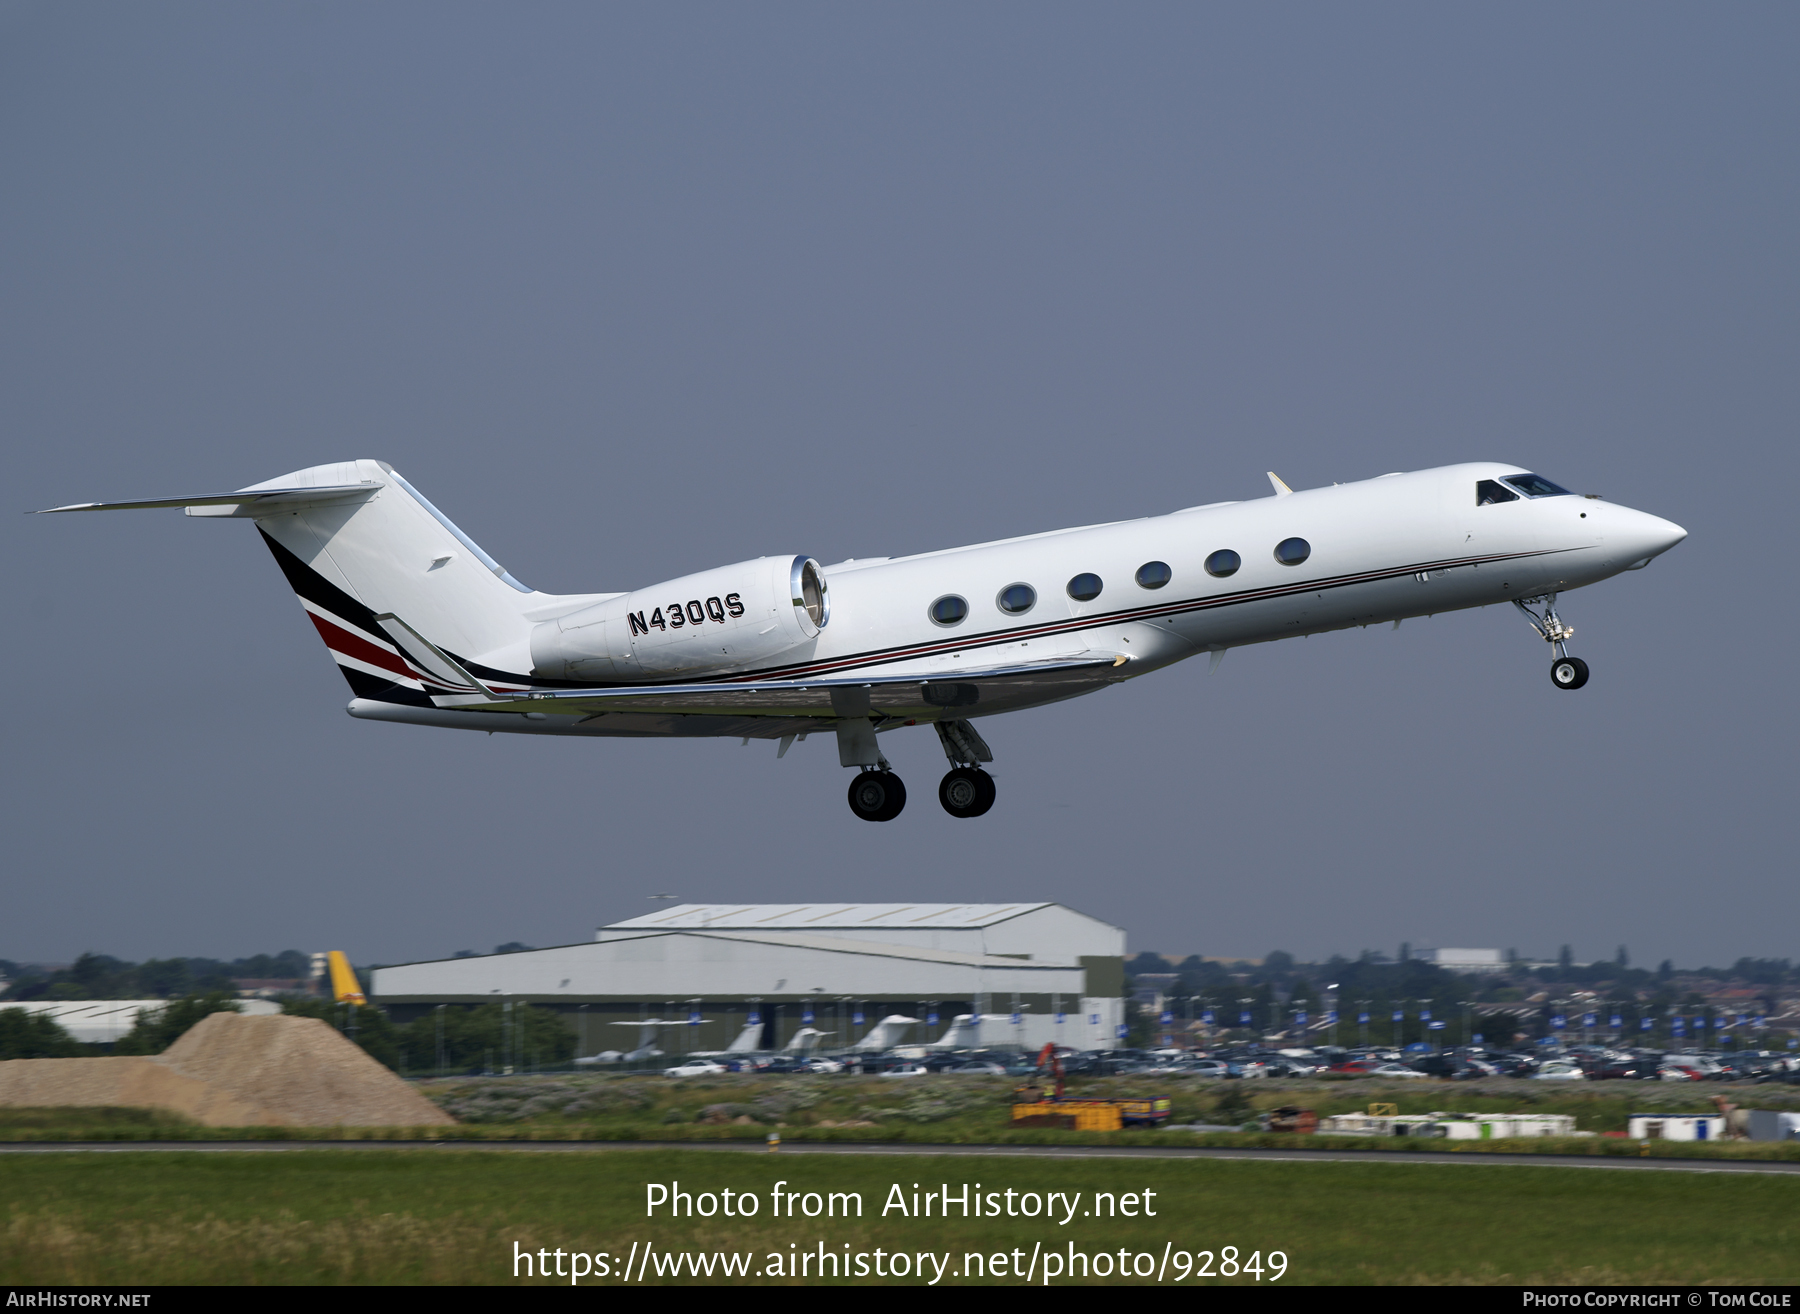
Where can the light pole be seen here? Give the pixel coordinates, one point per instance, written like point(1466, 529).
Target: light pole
point(1334, 1012)
point(1244, 1011)
point(581, 1038)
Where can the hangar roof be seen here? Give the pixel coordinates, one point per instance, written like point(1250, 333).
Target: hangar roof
point(826, 916)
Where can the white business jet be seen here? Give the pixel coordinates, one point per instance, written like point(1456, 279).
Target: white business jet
point(646, 1046)
point(430, 630)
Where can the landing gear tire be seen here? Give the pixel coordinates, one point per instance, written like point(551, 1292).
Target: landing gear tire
point(877, 795)
point(1568, 673)
point(966, 792)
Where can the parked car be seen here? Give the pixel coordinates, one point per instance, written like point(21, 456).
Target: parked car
point(1514, 1065)
point(908, 1070)
point(1395, 1070)
point(695, 1068)
point(1291, 1067)
point(1560, 1070)
point(785, 1064)
point(1206, 1068)
point(978, 1067)
point(1453, 1067)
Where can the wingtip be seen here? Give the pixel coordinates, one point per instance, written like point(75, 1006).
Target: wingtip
point(1281, 489)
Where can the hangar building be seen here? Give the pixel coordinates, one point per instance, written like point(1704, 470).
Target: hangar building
point(795, 965)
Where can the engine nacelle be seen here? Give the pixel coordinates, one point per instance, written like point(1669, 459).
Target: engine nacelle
point(731, 618)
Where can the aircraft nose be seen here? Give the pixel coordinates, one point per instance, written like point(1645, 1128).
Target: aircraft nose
point(1650, 536)
point(1664, 533)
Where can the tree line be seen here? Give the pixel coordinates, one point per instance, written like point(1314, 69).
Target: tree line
point(100, 976)
point(452, 1040)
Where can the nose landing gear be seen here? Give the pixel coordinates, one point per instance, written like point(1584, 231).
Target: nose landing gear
point(1566, 672)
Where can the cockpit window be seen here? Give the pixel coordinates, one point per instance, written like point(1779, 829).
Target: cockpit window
point(1487, 492)
point(1537, 486)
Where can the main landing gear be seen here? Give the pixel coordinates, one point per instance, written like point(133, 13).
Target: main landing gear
point(877, 794)
point(966, 790)
point(1566, 672)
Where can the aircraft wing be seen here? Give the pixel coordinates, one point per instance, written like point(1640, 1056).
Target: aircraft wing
point(909, 695)
point(930, 697)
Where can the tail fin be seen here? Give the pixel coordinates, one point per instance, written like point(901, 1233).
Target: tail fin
point(345, 988)
point(356, 541)
point(392, 551)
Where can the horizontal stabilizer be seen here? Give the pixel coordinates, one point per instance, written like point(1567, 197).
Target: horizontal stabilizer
point(259, 498)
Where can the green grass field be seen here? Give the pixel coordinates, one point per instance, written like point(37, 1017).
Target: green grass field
point(451, 1216)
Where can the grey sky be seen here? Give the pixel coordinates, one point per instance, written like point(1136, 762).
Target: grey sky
point(633, 290)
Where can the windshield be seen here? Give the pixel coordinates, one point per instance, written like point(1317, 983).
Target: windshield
point(1536, 486)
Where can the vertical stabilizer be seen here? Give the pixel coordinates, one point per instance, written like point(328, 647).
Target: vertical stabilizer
point(391, 551)
point(345, 988)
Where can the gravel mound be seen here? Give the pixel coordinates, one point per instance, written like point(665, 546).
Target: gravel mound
point(232, 1070)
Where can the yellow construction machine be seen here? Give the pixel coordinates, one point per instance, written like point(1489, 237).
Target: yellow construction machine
point(1032, 1107)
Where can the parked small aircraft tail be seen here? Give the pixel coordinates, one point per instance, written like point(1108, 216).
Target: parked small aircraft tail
point(965, 1031)
point(804, 1041)
point(345, 988)
point(748, 1041)
point(885, 1034)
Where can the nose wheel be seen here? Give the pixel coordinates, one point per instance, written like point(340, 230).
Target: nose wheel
point(966, 792)
point(877, 795)
point(1566, 672)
